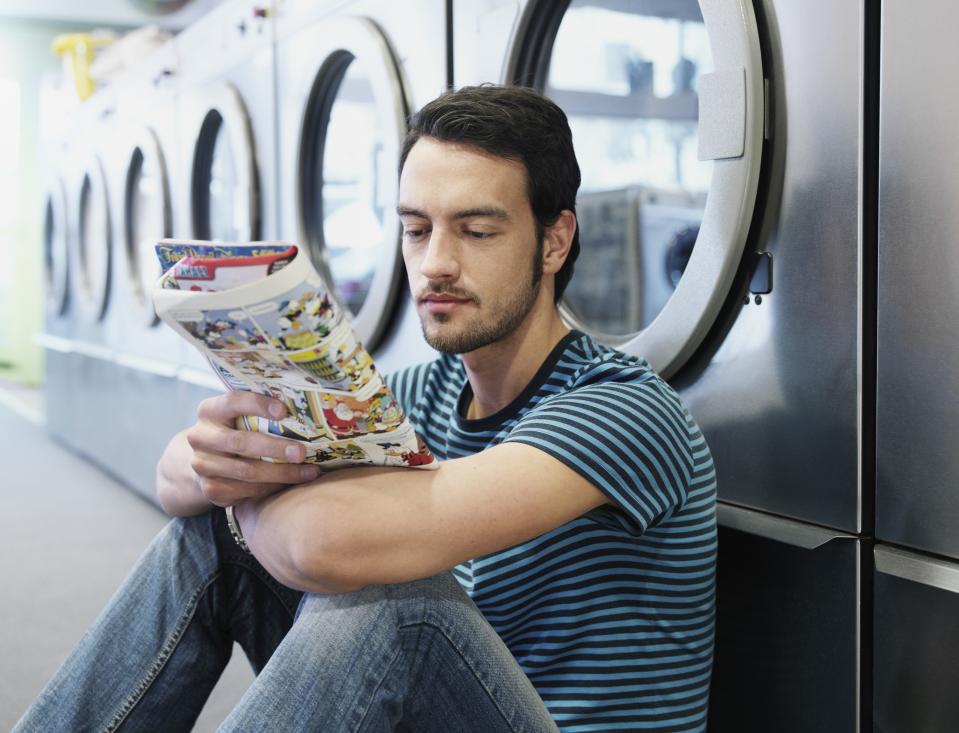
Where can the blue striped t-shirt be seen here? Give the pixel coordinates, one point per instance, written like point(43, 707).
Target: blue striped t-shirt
point(610, 615)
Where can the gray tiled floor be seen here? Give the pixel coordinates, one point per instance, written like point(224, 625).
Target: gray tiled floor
point(69, 535)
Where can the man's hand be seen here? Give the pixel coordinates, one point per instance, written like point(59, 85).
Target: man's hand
point(215, 463)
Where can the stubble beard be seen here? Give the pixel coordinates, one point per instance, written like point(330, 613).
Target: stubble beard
point(497, 326)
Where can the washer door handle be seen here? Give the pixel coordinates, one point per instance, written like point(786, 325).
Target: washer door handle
point(917, 568)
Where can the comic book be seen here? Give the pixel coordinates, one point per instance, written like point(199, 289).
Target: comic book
point(266, 321)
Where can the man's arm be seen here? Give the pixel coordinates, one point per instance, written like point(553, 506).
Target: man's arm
point(364, 526)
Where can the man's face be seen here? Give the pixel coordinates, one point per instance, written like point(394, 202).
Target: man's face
point(469, 242)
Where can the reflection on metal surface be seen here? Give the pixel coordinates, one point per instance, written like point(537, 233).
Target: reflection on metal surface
point(918, 297)
point(916, 644)
point(806, 536)
point(634, 123)
point(917, 568)
point(776, 391)
point(787, 629)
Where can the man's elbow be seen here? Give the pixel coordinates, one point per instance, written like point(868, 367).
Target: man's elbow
point(325, 563)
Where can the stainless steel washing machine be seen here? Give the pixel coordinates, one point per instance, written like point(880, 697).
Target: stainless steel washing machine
point(96, 327)
point(716, 138)
point(147, 355)
point(349, 74)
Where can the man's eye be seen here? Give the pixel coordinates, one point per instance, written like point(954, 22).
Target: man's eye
point(480, 235)
point(414, 234)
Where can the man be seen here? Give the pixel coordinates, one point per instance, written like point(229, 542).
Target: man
point(575, 504)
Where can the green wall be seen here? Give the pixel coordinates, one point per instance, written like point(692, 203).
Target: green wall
point(25, 56)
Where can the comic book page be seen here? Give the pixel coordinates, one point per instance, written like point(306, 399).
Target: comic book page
point(267, 323)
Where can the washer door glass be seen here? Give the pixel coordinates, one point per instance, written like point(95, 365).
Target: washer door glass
point(55, 251)
point(49, 236)
point(93, 246)
point(634, 119)
point(218, 192)
point(225, 192)
point(147, 222)
point(349, 240)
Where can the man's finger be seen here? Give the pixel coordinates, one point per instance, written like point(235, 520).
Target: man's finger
point(226, 492)
point(216, 438)
point(227, 407)
point(214, 466)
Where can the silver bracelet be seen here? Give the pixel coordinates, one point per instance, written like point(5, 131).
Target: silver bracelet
point(235, 529)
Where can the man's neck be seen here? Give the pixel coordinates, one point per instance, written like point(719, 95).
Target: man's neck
point(499, 372)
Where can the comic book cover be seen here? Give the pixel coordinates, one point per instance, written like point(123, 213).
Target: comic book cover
point(267, 323)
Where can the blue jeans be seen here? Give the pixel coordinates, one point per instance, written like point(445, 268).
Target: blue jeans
point(412, 656)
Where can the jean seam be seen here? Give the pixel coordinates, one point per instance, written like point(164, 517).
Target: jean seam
point(379, 684)
point(166, 651)
point(507, 719)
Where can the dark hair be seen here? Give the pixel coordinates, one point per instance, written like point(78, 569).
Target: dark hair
point(516, 123)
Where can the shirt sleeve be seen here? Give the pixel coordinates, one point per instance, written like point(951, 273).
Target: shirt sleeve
point(631, 441)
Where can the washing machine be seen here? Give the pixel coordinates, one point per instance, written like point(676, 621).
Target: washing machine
point(96, 325)
point(717, 139)
point(348, 75)
point(147, 355)
point(226, 126)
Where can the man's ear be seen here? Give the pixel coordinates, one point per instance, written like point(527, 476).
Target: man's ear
point(557, 239)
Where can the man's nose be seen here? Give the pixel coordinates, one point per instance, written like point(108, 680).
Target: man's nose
point(441, 261)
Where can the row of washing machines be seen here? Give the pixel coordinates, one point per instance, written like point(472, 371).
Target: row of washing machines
point(193, 142)
point(716, 138)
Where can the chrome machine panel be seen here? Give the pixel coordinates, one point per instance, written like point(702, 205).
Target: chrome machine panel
point(777, 385)
point(784, 662)
point(917, 492)
point(917, 414)
point(916, 642)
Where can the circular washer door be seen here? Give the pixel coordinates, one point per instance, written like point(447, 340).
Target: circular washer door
point(147, 219)
point(668, 130)
point(350, 135)
point(224, 192)
point(56, 253)
point(90, 269)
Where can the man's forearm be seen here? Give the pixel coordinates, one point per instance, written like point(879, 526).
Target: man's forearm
point(176, 485)
point(280, 541)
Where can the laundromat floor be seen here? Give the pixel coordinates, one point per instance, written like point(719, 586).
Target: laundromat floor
point(70, 535)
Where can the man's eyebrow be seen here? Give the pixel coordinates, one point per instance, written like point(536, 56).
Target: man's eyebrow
point(489, 212)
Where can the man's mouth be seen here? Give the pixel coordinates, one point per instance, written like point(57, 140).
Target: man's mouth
point(442, 302)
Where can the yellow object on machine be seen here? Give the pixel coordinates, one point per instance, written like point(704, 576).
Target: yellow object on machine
point(78, 51)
